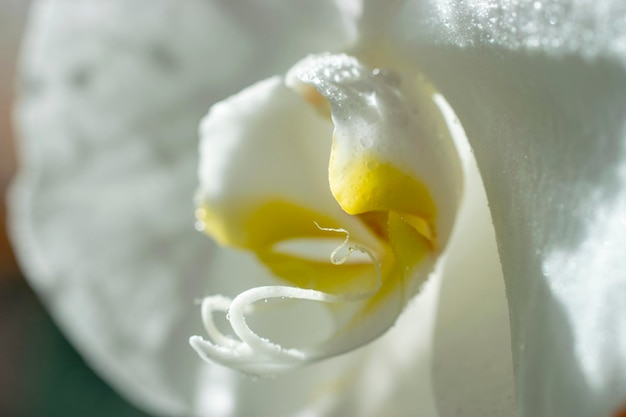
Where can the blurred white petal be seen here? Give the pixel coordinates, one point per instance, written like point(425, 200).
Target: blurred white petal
point(112, 93)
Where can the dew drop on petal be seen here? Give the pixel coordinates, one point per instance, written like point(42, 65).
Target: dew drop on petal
point(199, 225)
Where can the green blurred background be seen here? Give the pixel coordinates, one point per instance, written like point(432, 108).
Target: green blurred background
point(41, 375)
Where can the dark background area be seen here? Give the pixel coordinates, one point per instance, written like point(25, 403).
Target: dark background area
point(41, 375)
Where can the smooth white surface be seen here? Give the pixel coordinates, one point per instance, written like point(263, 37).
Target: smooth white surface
point(102, 210)
point(540, 89)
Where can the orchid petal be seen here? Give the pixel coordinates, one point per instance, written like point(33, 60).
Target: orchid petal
point(246, 201)
point(456, 330)
point(111, 97)
point(382, 116)
point(539, 87)
point(472, 333)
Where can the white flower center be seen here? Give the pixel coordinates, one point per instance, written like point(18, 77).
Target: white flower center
point(273, 183)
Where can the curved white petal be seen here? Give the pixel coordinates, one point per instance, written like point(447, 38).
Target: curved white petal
point(540, 89)
point(265, 145)
point(393, 375)
point(451, 336)
point(472, 335)
point(384, 115)
point(263, 185)
point(111, 94)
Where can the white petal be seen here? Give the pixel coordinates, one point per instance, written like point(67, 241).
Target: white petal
point(453, 333)
point(101, 213)
point(472, 335)
point(268, 148)
point(265, 144)
point(540, 89)
point(390, 114)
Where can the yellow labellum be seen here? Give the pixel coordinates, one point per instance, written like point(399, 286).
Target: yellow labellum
point(396, 208)
point(261, 227)
point(366, 184)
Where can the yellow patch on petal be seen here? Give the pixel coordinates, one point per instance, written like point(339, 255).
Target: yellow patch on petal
point(371, 188)
point(321, 276)
point(408, 244)
point(402, 238)
point(258, 228)
point(366, 184)
point(394, 206)
point(408, 248)
point(378, 170)
point(261, 229)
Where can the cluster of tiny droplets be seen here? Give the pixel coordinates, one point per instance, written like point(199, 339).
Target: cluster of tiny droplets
point(333, 75)
point(326, 72)
point(587, 27)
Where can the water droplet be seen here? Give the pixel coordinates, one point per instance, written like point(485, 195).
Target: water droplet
point(199, 225)
point(537, 5)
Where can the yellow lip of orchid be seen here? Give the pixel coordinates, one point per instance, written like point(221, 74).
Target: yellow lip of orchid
point(385, 183)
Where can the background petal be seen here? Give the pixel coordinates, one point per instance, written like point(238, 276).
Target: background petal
point(449, 352)
point(471, 339)
point(102, 214)
point(540, 89)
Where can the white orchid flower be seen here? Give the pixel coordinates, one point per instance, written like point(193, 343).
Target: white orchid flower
point(102, 208)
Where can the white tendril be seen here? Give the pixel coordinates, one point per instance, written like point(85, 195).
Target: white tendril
point(254, 354)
